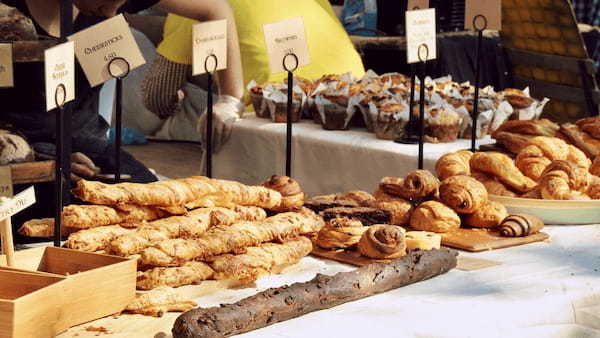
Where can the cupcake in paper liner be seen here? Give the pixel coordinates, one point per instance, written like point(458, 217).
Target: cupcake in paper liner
point(335, 111)
point(484, 121)
point(502, 113)
point(525, 107)
point(389, 119)
point(255, 91)
point(394, 80)
point(275, 97)
point(330, 84)
point(442, 124)
point(308, 88)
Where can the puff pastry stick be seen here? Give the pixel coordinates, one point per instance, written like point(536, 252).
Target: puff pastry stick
point(42, 228)
point(230, 193)
point(194, 224)
point(95, 239)
point(186, 274)
point(260, 260)
point(235, 238)
point(159, 301)
point(502, 167)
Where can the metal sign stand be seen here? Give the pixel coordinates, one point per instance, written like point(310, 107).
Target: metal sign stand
point(423, 61)
point(60, 160)
point(118, 110)
point(209, 112)
point(475, 112)
point(290, 85)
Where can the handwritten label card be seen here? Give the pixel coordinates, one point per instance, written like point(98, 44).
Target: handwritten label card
point(491, 10)
point(421, 35)
point(209, 38)
point(20, 202)
point(6, 184)
point(283, 38)
point(417, 4)
point(59, 63)
point(96, 46)
point(6, 66)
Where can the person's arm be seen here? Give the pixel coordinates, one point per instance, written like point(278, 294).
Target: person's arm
point(230, 79)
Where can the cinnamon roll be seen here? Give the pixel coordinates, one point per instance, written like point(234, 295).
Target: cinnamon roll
point(290, 190)
point(340, 233)
point(382, 241)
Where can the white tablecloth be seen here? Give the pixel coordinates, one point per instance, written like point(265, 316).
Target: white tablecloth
point(323, 161)
point(539, 290)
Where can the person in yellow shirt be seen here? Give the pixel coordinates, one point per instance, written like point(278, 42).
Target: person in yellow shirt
point(330, 48)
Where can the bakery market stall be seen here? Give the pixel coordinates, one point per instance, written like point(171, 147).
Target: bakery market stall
point(240, 254)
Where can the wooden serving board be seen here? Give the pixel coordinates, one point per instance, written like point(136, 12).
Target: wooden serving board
point(32, 172)
point(351, 257)
point(476, 240)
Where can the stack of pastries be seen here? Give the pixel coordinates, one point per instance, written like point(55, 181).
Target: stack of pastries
point(376, 224)
point(542, 160)
point(188, 230)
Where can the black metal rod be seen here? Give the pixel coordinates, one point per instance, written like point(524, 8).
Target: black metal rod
point(475, 112)
point(411, 102)
point(288, 153)
point(422, 112)
point(59, 178)
point(209, 126)
point(118, 128)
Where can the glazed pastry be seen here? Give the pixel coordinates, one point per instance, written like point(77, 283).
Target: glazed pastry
point(260, 260)
point(422, 240)
point(562, 179)
point(435, 217)
point(453, 164)
point(95, 239)
point(520, 225)
point(542, 127)
point(502, 167)
point(220, 240)
point(368, 216)
point(463, 193)
point(489, 215)
point(595, 167)
point(186, 274)
point(292, 194)
point(382, 241)
point(419, 184)
point(532, 162)
point(159, 301)
point(589, 145)
point(512, 142)
point(340, 233)
point(492, 185)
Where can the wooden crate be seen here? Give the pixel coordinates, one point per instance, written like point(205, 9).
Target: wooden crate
point(97, 285)
point(31, 303)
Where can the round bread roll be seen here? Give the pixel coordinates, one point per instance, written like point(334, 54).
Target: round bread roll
point(382, 241)
point(435, 217)
point(463, 193)
point(489, 215)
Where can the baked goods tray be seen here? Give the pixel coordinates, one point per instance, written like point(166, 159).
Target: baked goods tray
point(555, 212)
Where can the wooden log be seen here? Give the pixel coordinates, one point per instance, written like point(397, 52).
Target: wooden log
point(322, 292)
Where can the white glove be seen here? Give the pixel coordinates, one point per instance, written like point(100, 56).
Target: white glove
point(226, 111)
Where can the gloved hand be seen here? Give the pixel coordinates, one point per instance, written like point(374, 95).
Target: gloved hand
point(82, 166)
point(226, 111)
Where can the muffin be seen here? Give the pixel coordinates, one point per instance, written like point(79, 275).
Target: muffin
point(334, 111)
point(275, 98)
point(255, 91)
point(443, 124)
point(390, 119)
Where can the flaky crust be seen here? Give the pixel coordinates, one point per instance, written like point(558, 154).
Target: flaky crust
point(563, 180)
point(383, 241)
point(158, 302)
point(582, 140)
point(463, 193)
point(519, 225)
point(42, 228)
point(593, 189)
point(502, 167)
point(419, 184)
point(362, 198)
point(186, 274)
point(260, 260)
point(543, 127)
point(590, 125)
point(435, 217)
point(492, 185)
point(532, 162)
point(340, 233)
point(453, 164)
point(595, 167)
point(511, 141)
point(489, 215)
point(95, 239)
point(290, 190)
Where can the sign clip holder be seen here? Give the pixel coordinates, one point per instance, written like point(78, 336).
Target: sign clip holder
point(475, 112)
point(289, 131)
point(209, 112)
point(118, 110)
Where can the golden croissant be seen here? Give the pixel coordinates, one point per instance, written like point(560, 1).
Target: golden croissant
point(503, 168)
point(453, 164)
point(564, 180)
point(532, 162)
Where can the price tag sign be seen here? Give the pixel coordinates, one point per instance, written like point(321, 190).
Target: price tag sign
point(283, 38)
point(6, 184)
point(96, 46)
point(20, 202)
point(209, 38)
point(487, 14)
point(6, 66)
point(59, 64)
point(417, 4)
point(421, 35)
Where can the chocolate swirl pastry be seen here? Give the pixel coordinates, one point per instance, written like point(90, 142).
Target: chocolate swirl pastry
point(435, 217)
point(290, 190)
point(419, 184)
point(464, 194)
point(340, 233)
point(383, 241)
point(520, 225)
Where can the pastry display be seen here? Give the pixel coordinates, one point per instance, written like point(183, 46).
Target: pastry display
point(422, 240)
point(186, 274)
point(260, 260)
point(489, 215)
point(160, 301)
point(419, 184)
point(383, 242)
point(340, 233)
point(291, 193)
point(434, 216)
point(463, 193)
point(96, 238)
point(520, 225)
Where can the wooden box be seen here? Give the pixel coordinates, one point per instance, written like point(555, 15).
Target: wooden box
point(30, 303)
point(97, 285)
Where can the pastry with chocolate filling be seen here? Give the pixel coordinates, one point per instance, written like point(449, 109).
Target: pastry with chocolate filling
point(435, 217)
point(324, 202)
point(290, 190)
point(463, 193)
point(368, 216)
point(382, 241)
point(418, 184)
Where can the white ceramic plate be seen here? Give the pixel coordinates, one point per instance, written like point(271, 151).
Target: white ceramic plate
point(554, 211)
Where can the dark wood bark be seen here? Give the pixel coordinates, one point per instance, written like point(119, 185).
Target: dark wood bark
point(322, 292)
